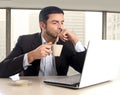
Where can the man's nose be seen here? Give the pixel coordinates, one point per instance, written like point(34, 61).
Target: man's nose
point(60, 26)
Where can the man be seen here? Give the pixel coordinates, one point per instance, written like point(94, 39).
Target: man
point(32, 53)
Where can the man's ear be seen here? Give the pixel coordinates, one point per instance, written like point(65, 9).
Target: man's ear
point(42, 25)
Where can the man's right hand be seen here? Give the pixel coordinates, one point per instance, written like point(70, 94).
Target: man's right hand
point(40, 52)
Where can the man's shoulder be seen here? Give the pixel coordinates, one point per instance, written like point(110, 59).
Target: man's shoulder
point(31, 35)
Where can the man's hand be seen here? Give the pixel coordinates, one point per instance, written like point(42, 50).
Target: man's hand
point(40, 52)
point(66, 35)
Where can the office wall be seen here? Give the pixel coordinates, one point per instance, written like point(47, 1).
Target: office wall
point(100, 5)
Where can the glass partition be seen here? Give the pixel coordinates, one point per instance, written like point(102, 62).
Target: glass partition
point(2, 34)
point(113, 26)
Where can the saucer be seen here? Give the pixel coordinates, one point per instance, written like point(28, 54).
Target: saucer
point(21, 83)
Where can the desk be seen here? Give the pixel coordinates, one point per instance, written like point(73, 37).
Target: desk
point(38, 87)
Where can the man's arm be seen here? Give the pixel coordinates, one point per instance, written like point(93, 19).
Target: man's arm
point(78, 56)
point(13, 63)
point(11, 66)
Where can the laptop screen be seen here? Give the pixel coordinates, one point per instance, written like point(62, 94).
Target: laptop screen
point(102, 62)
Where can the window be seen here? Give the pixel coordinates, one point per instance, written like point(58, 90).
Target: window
point(2, 34)
point(86, 25)
point(113, 26)
point(23, 22)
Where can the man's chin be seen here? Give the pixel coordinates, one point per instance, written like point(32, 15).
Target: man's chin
point(55, 36)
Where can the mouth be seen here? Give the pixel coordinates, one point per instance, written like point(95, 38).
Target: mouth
point(60, 30)
point(57, 33)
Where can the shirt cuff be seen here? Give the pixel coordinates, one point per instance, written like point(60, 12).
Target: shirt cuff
point(79, 47)
point(25, 62)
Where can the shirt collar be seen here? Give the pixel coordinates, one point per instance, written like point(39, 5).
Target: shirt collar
point(43, 40)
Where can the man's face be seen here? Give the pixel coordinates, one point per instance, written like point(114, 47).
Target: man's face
point(54, 25)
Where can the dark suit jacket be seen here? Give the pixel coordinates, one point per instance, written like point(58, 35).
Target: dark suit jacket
point(14, 62)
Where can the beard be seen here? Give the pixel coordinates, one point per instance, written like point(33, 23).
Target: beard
point(50, 34)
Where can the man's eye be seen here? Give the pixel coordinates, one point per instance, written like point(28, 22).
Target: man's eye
point(54, 23)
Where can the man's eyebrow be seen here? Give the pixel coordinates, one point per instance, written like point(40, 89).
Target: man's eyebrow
point(57, 21)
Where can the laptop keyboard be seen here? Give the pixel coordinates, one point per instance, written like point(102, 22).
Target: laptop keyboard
point(66, 79)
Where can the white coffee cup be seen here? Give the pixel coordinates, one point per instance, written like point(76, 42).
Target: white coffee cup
point(56, 49)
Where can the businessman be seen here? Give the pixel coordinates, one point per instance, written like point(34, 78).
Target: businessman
point(32, 53)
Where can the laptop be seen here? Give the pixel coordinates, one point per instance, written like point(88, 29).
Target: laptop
point(102, 64)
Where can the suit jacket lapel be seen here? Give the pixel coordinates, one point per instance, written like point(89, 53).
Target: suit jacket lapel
point(36, 41)
point(57, 62)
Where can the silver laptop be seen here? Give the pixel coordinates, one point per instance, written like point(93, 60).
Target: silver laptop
point(102, 64)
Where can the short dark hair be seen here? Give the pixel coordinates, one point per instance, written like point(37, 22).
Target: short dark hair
point(44, 13)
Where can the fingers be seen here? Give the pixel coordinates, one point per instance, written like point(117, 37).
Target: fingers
point(42, 51)
point(46, 49)
point(64, 35)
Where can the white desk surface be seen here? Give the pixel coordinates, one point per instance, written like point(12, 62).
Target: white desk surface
point(38, 87)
